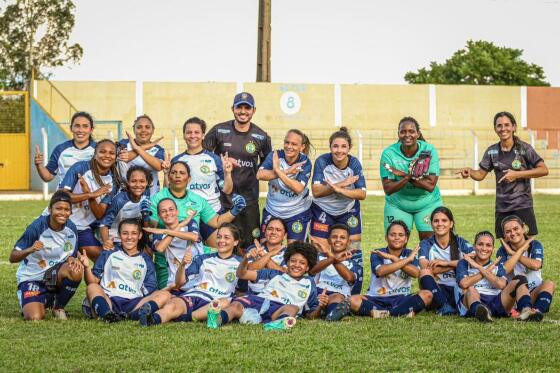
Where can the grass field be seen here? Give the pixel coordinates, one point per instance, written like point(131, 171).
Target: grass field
point(425, 343)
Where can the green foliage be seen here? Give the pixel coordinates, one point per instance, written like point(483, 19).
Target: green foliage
point(484, 63)
point(35, 33)
point(424, 343)
point(12, 114)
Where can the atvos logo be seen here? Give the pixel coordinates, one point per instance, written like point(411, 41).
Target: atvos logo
point(199, 186)
point(288, 193)
point(243, 163)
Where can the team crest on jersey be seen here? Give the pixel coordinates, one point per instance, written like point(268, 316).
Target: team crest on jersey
point(381, 291)
point(352, 222)
point(67, 246)
point(302, 294)
point(230, 277)
point(250, 147)
point(42, 263)
point(191, 212)
point(205, 169)
point(136, 274)
point(297, 227)
point(426, 219)
point(256, 232)
point(403, 275)
point(516, 164)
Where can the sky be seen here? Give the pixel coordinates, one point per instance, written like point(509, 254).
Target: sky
point(313, 41)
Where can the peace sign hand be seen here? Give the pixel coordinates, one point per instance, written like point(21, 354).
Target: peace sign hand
point(38, 156)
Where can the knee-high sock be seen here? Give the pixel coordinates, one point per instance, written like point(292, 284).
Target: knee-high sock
point(100, 306)
point(411, 303)
point(66, 291)
point(365, 308)
point(427, 282)
point(134, 314)
point(544, 299)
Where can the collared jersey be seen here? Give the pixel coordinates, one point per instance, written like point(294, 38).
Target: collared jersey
point(430, 250)
point(535, 251)
point(517, 194)
point(410, 198)
point(155, 151)
point(120, 208)
point(281, 201)
point(331, 280)
point(207, 175)
point(81, 212)
point(65, 155)
point(483, 286)
point(213, 277)
point(257, 286)
point(249, 149)
point(396, 283)
point(325, 170)
point(125, 276)
point(57, 247)
point(283, 288)
point(191, 201)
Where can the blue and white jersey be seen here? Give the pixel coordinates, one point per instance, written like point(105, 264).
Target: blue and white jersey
point(65, 155)
point(285, 289)
point(396, 283)
point(483, 286)
point(120, 208)
point(57, 247)
point(325, 170)
point(155, 151)
point(213, 277)
point(331, 280)
point(81, 213)
point(125, 276)
point(258, 286)
point(535, 251)
point(430, 250)
point(281, 201)
point(207, 175)
point(176, 251)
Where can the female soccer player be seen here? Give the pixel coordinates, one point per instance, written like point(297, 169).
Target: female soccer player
point(482, 285)
point(287, 172)
point(409, 171)
point(91, 184)
point(438, 258)
point(210, 174)
point(286, 295)
point(64, 155)
point(338, 186)
point(123, 279)
point(125, 204)
point(514, 162)
point(215, 275)
point(392, 269)
point(48, 273)
point(141, 151)
point(523, 256)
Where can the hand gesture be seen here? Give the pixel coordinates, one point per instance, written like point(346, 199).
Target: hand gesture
point(394, 171)
point(323, 299)
point(166, 163)
point(38, 156)
point(187, 220)
point(239, 204)
point(83, 184)
point(260, 250)
point(465, 173)
point(83, 258)
point(334, 187)
point(385, 255)
point(188, 257)
point(432, 264)
point(275, 160)
point(37, 245)
point(153, 230)
point(133, 143)
point(226, 163)
point(343, 256)
point(509, 176)
point(74, 265)
point(252, 254)
point(506, 246)
point(321, 246)
point(108, 244)
point(348, 181)
point(414, 252)
point(105, 189)
point(294, 169)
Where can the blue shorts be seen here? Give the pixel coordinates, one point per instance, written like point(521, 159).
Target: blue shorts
point(321, 220)
point(206, 230)
point(264, 307)
point(87, 238)
point(297, 226)
point(124, 305)
point(193, 303)
point(34, 291)
point(493, 302)
point(387, 303)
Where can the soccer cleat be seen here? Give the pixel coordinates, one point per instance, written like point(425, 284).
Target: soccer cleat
point(379, 314)
point(342, 309)
point(482, 313)
point(536, 316)
point(525, 314)
point(446, 310)
point(59, 314)
point(213, 318)
point(145, 315)
point(111, 317)
point(284, 323)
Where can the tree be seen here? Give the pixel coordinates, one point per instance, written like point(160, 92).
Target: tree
point(481, 62)
point(34, 33)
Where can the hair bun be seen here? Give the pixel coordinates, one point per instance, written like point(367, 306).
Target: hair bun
point(343, 129)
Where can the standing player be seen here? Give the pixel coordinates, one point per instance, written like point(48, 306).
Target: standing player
point(247, 146)
point(409, 171)
point(64, 155)
point(287, 172)
point(49, 273)
point(210, 173)
point(514, 162)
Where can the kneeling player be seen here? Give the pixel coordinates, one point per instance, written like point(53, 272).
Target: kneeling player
point(285, 296)
point(216, 279)
point(392, 270)
point(485, 291)
point(123, 279)
point(48, 273)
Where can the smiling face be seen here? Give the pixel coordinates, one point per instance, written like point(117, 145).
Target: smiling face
point(167, 211)
point(297, 265)
point(106, 154)
point(339, 240)
point(293, 145)
point(274, 232)
point(243, 113)
point(60, 212)
point(130, 235)
point(178, 177)
point(340, 149)
point(514, 233)
point(408, 135)
point(504, 128)
point(143, 130)
point(137, 183)
point(483, 248)
point(193, 136)
point(396, 237)
point(441, 224)
point(81, 130)
point(226, 242)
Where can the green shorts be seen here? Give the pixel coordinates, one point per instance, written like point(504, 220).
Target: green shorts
point(420, 219)
point(162, 272)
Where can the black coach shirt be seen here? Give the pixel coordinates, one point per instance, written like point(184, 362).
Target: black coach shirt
point(515, 195)
point(248, 148)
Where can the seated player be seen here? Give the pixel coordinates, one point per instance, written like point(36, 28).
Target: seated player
point(336, 272)
point(438, 259)
point(483, 291)
point(523, 256)
point(48, 273)
point(123, 279)
point(216, 280)
point(286, 295)
point(392, 269)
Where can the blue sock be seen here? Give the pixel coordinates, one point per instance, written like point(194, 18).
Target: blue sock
point(156, 318)
point(65, 292)
point(133, 315)
point(365, 308)
point(473, 306)
point(225, 317)
point(524, 301)
point(427, 282)
point(100, 306)
point(544, 299)
point(410, 303)
point(331, 307)
point(282, 316)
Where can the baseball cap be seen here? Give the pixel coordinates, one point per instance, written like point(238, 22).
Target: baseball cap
point(244, 98)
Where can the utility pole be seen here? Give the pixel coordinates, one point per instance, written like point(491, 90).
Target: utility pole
point(263, 48)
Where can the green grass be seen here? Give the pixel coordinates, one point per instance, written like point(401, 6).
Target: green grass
point(427, 342)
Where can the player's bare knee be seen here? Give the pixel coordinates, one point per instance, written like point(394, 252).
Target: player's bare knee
point(549, 286)
point(355, 302)
point(426, 296)
point(34, 316)
point(336, 298)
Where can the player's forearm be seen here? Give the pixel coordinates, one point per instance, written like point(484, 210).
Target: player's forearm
point(259, 263)
point(411, 270)
point(81, 197)
point(387, 269)
point(104, 233)
point(358, 194)
point(424, 183)
point(98, 209)
point(321, 265)
point(293, 184)
point(539, 171)
point(315, 314)
point(180, 276)
point(478, 175)
point(499, 283)
point(162, 245)
point(17, 256)
point(266, 175)
point(321, 190)
point(345, 273)
point(44, 173)
point(469, 281)
point(391, 186)
point(152, 161)
point(89, 277)
point(532, 264)
point(228, 183)
point(438, 269)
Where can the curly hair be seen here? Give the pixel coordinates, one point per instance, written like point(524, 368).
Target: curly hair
point(305, 249)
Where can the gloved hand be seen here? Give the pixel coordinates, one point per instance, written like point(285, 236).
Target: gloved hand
point(239, 204)
point(146, 208)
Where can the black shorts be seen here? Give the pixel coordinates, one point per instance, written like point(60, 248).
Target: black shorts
point(248, 221)
point(527, 215)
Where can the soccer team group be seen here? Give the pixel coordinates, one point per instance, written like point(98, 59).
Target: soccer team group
point(196, 248)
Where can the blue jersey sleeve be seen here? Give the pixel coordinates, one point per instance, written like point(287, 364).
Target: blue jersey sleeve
point(356, 167)
point(464, 246)
point(52, 165)
point(536, 251)
point(160, 154)
point(99, 265)
point(72, 176)
point(462, 270)
point(74, 229)
point(150, 282)
point(501, 272)
point(502, 253)
point(194, 268)
point(375, 261)
point(312, 300)
point(219, 169)
point(304, 175)
point(111, 212)
point(319, 170)
point(267, 274)
point(356, 269)
point(425, 246)
point(267, 164)
point(31, 234)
